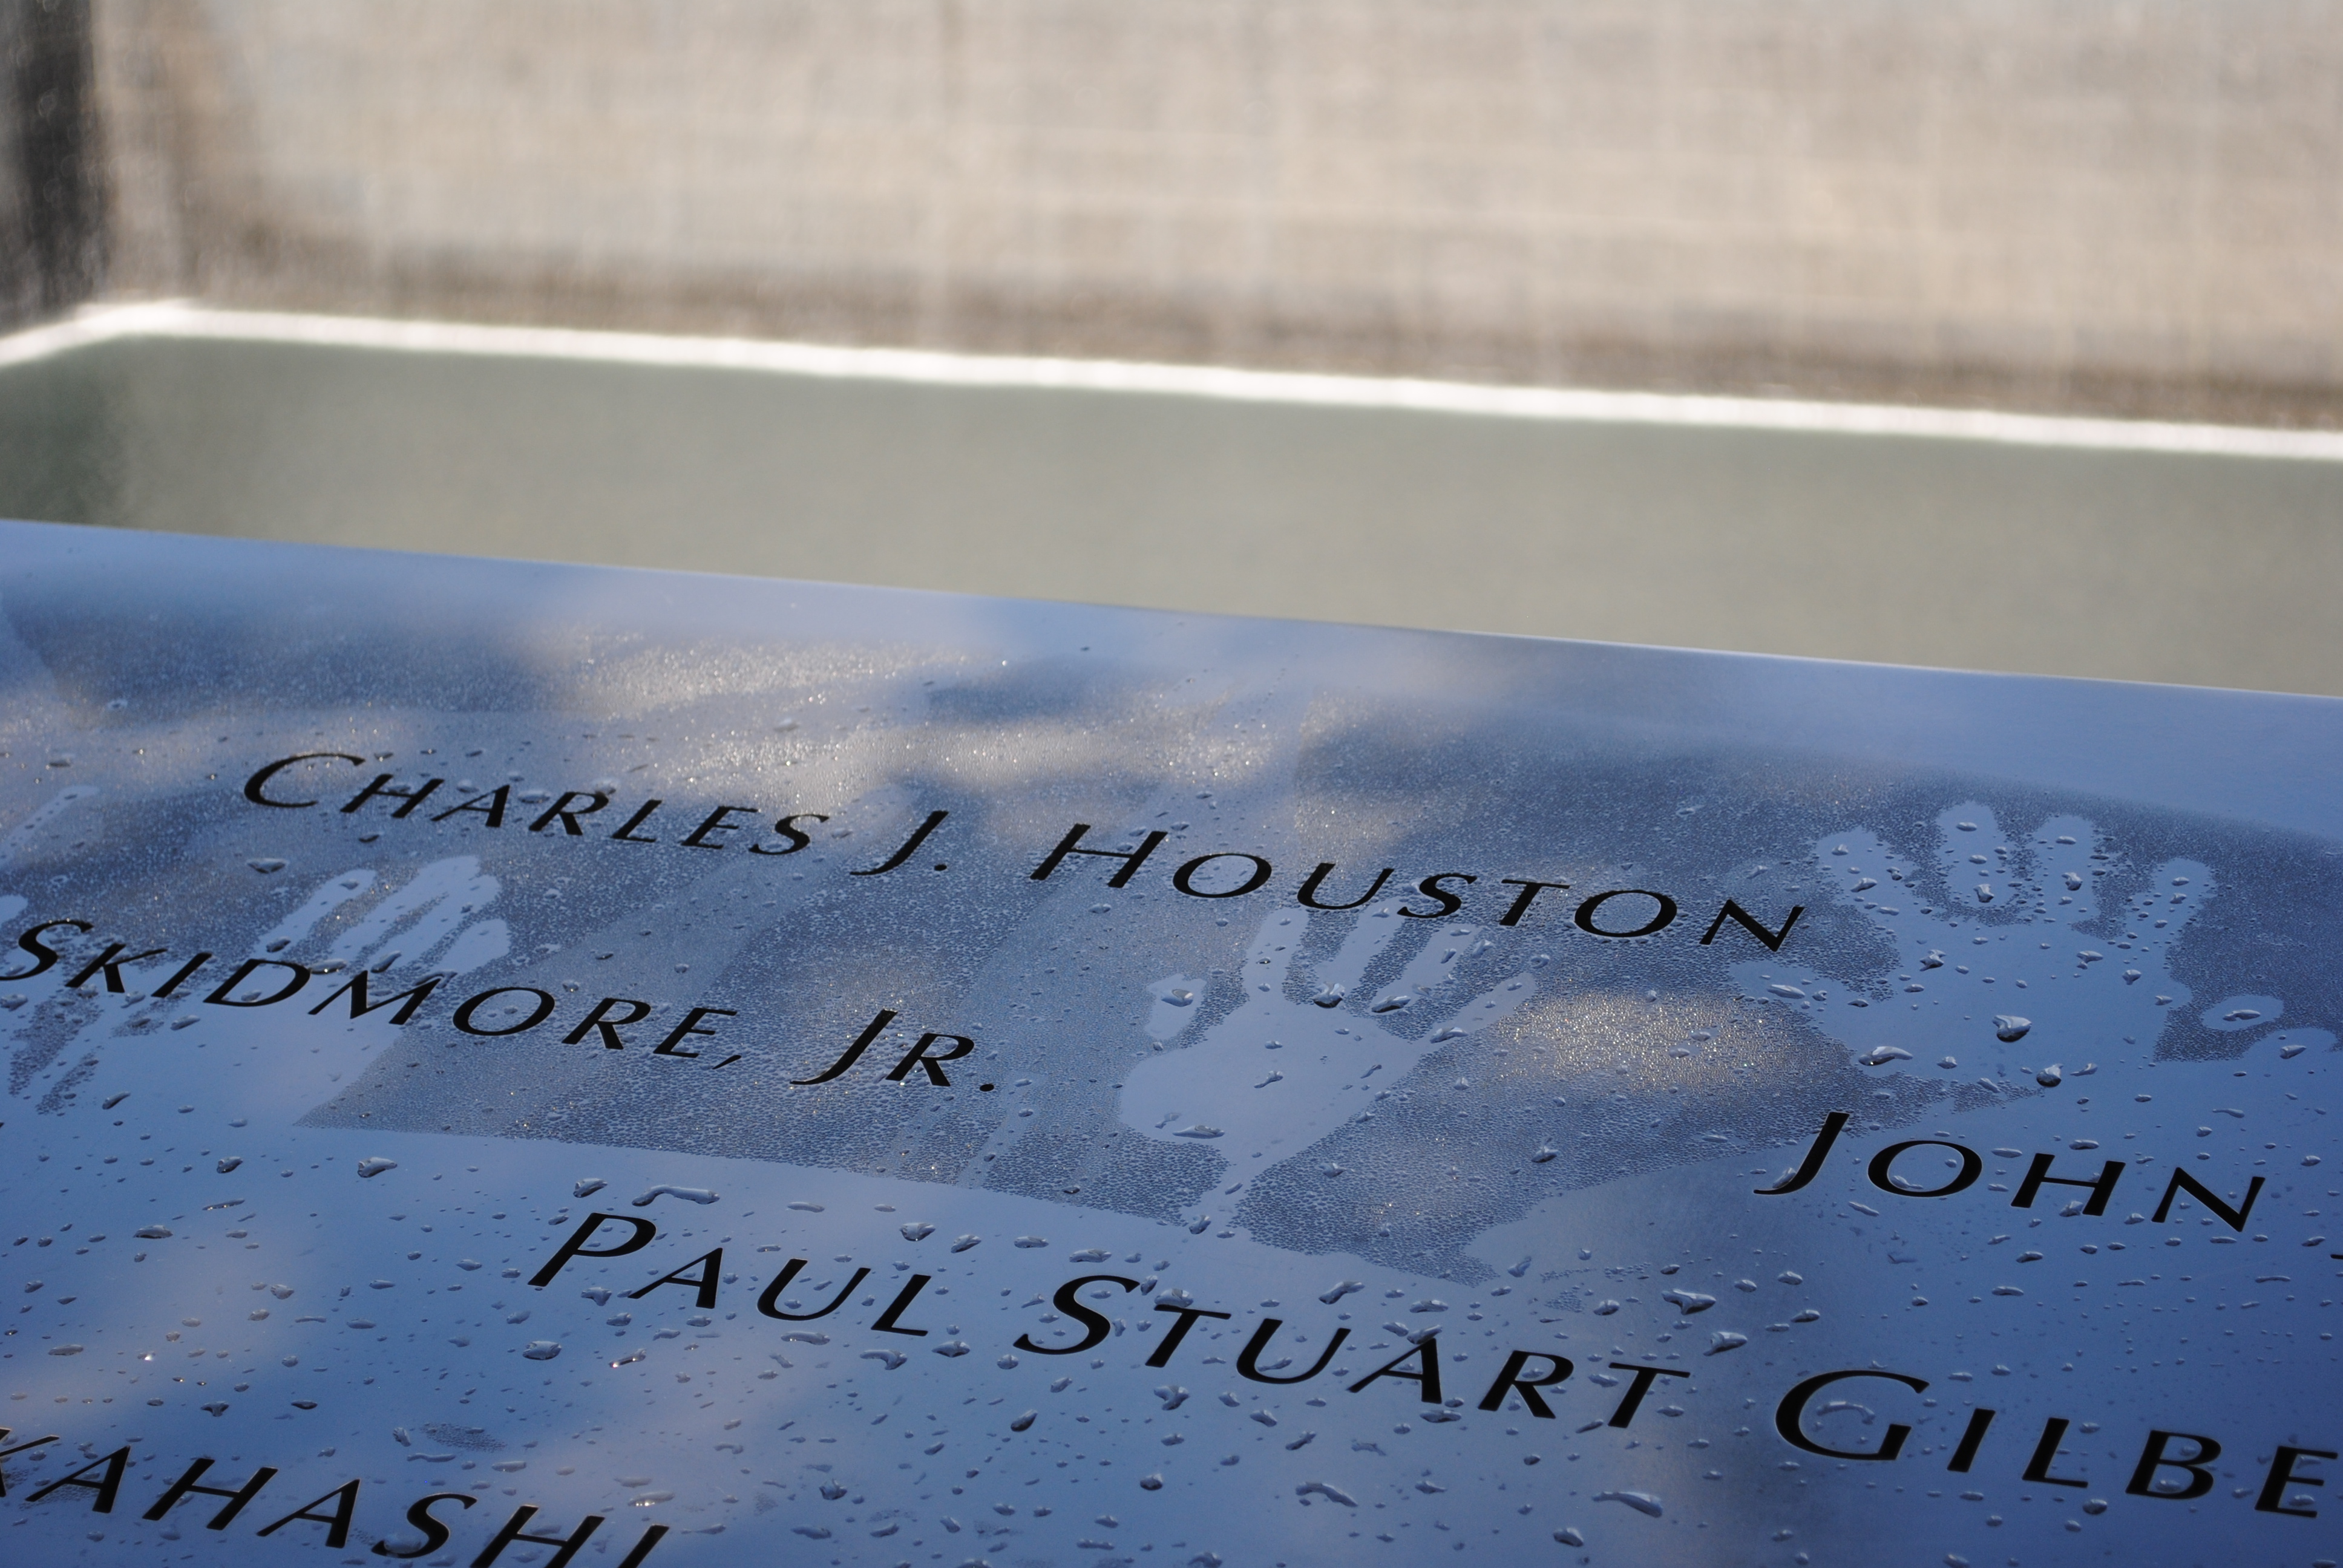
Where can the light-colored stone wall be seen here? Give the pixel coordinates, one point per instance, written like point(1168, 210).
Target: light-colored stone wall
point(2132, 204)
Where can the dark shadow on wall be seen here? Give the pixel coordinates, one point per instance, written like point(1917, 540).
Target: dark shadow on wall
point(51, 196)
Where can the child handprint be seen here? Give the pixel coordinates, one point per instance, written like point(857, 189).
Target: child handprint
point(438, 906)
point(435, 917)
point(1973, 988)
point(1306, 1051)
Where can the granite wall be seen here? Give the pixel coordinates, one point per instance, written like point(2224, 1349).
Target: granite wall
point(2133, 205)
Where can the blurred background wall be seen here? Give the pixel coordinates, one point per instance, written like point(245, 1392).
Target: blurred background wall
point(2120, 205)
point(53, 216)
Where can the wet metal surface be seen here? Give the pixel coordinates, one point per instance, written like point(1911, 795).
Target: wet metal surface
point(818, 1073)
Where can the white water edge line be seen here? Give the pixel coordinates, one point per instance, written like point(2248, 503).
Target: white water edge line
point(183, 319)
